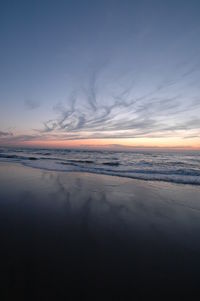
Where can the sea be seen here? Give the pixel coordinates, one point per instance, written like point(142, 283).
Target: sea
point(181, 167)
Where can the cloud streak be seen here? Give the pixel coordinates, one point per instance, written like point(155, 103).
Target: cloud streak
point(162, 112)
point(5, 134)
point(157, 113)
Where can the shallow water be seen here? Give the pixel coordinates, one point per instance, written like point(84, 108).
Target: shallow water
point(178, 167)
point(75, 235)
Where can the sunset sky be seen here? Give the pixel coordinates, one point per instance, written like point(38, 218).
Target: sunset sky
point(100, 73)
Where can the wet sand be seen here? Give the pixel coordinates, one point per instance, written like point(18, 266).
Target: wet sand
point(69, 236)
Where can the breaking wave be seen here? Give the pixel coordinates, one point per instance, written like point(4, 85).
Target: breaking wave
point(176, 167)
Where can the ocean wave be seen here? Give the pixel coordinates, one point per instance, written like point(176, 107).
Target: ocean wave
point(142, 175)
point(176, 168)
point(111, 163)
point(81, 161)
point(19, 158)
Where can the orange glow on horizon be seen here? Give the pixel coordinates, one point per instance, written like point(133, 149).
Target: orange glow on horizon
point(118, 143)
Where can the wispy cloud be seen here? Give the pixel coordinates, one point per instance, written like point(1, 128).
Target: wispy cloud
point(153, 114)
point(163, 111)
point(5, 134)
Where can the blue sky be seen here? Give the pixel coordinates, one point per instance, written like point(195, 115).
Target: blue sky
point(114, 70)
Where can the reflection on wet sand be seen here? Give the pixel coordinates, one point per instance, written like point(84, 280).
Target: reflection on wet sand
point(73, 235)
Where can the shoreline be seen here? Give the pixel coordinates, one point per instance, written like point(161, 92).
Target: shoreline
point(102, 174)
point(163, 187)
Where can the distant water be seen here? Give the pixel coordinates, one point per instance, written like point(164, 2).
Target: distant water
point(177, 167)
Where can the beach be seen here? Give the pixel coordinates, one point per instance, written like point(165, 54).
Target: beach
point(69, 235)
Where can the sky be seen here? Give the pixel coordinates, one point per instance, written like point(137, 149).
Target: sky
point(100, 73)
